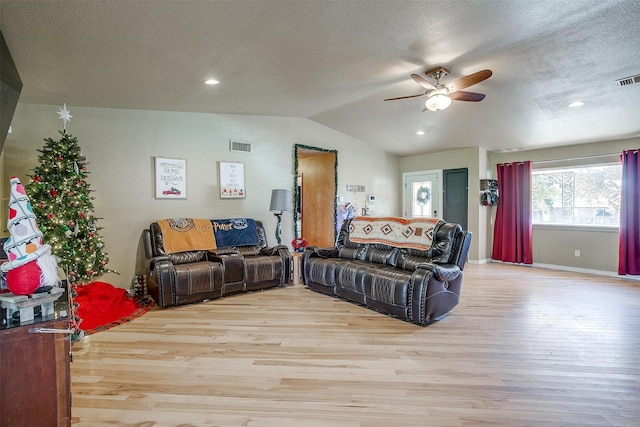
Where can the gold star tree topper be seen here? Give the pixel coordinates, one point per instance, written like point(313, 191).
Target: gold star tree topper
point(65, 116)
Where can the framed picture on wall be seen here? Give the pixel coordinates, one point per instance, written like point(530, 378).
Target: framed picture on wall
point(231, 179)
point(170, 178)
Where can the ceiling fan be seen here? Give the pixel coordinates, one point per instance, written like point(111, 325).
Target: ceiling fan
point(439, 96)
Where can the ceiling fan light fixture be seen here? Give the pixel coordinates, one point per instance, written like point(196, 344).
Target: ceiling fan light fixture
point(439, 100)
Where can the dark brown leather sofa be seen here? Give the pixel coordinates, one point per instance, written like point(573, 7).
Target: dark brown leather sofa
point(186, 277)
point(417, 286)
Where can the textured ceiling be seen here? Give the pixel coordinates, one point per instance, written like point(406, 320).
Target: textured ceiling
point(335, 61)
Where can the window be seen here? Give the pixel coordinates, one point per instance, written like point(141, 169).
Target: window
point(421, 206)
point(587, 195)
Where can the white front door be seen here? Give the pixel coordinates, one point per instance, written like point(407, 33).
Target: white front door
point(422, 194)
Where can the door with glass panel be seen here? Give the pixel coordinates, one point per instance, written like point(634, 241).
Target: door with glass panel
point(422, 195)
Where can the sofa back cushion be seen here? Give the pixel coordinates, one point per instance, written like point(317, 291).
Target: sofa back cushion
point(382, 254)
point(376, 253)
point(157, 245)
point(441, 251)
point(442, 248)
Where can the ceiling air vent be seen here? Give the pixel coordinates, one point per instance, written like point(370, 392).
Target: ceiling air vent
point(628, 80)
point(239, 146)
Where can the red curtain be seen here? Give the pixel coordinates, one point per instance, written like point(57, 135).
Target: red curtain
point(512, 231)
point(629, 255)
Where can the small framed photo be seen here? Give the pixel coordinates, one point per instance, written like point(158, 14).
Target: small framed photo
point(171, 178)
point(231, 179)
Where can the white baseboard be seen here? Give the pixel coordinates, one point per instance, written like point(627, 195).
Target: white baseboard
point(479, 261)
point(574, 270)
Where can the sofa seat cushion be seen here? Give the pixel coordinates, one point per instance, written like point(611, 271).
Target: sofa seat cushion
point(263, 268)
point(198, 278)
point(350, 275)
point(378, 282)
point(388, 285)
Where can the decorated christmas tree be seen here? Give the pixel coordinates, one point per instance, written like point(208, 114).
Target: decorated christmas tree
point(62, 202)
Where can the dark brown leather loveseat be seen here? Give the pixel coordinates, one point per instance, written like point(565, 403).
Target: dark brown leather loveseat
point(195, 275)
point(414, 285)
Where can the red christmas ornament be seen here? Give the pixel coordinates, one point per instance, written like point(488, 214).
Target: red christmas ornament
point(82, 214)
point(92, 234)
point(37, 178)
point(71, 223)
point(59, 158)
point(50, 216)
point(70, 193)
point(53, 193)
point(42, 205)
point(80, 183)
point(90, 272)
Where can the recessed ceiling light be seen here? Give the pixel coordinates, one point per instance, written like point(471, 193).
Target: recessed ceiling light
point(211, 82)
point(420, 132)
point(575, 104)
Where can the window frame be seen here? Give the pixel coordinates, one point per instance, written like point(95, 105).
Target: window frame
point(577, 227)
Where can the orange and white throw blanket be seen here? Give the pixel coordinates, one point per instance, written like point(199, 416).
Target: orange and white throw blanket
point(186, 234)
point(415, 233)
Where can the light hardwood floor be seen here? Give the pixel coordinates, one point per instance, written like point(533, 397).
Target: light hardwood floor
point(525, 347)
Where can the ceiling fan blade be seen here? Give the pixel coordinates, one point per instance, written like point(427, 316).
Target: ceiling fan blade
point(467, 96)
point(422, 81)
point(406, 97)
point(470, 80)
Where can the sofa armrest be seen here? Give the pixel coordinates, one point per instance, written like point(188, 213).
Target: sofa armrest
point(274, 250)
point(442, 272)
point(214, 253)
point(162, 285)
point(314, 251)
point(158, 260)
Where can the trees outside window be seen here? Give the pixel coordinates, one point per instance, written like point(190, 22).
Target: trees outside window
point(587, 195)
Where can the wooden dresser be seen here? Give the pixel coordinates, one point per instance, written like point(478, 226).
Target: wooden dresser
point(35, 381)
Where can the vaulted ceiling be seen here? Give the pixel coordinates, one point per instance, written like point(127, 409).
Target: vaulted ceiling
point(334, 62)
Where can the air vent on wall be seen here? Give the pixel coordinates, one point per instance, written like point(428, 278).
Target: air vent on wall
point(628, 80)
point(239, 146)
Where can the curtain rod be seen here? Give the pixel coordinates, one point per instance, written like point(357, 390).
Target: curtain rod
point(595, 156)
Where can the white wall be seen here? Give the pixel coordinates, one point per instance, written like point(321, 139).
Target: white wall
point(471, 158)
point(120, 146)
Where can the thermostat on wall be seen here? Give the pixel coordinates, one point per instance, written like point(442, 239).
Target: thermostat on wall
point(372, 198)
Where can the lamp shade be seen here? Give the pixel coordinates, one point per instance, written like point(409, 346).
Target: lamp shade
point(280, 201)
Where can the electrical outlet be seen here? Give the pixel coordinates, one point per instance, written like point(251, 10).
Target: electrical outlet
point(577, 252)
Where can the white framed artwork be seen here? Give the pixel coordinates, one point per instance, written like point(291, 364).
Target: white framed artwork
point(231, 179)
point(170, 178)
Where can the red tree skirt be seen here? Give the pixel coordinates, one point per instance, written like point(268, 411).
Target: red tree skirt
point(102, 306)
